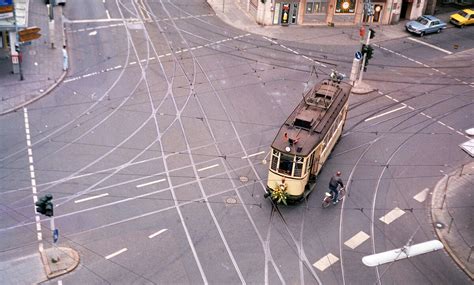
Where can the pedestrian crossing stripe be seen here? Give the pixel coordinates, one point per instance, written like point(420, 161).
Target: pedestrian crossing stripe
point(357, 240)
point(392, 215)
point(325, 262)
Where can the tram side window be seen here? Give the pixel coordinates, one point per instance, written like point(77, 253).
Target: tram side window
point(274, 160)
point(298, 166)
point(286, 164)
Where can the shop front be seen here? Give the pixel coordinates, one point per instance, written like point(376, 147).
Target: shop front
point(286, 13)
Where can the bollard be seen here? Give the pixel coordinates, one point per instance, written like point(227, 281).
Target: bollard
point(450, 224)
point(442, 203)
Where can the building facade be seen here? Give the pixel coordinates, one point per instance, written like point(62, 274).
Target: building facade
point(13, 17)
point(331, 12)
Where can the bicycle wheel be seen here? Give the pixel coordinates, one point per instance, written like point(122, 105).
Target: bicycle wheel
point(342, 193)
point(326, 202)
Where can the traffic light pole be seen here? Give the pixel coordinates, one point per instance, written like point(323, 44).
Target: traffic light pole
point(55, 252)
point(365, 56)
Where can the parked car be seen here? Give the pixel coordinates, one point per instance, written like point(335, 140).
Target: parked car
point(463, 18)
point(425, 24)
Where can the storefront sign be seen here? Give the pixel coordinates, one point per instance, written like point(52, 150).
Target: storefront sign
point(6, 2)
point(345, 6)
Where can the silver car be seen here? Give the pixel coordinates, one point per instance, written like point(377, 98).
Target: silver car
point(425, 24)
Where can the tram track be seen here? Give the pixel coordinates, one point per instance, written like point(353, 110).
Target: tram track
point(267, 252)
point(377, 187)
point(233, 126)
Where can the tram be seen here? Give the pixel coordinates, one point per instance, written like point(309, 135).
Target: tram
point(306, 139)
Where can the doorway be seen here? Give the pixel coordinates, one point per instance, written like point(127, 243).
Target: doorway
point(405, 10)
point(288, 14)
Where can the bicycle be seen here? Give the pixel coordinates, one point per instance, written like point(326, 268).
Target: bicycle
point(328, 197)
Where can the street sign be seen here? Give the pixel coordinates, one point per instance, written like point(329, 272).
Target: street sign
point(55, 235)
point(6, 2)
point(6, 9)
point(358, 55)
point(29, 34)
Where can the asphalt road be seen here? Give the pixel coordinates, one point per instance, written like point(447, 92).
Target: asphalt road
point(153, 145)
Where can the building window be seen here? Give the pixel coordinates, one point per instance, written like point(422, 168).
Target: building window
point(345, 6)
point(316, 6)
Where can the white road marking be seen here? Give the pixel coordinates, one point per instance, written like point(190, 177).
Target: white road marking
point(325, 262)
point(93, 33)
point(60, 282)
point(252, 155)
point(32, 177)
point(420, 197)
point(108, 15)
point(357, 240)
point(386, 113)
point(209, 167)
point(91, 198)
point(392, 215)
point(430, 45)
point(150, 183)
point(157, 233)
point(116, 253)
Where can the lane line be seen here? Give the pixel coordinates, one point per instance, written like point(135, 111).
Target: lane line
point(209, 167)
point(392, 215)
point(357, 240)
point(116, 253)
point(430, 45)
point(386, 113)
point(157, 233)
point(421, 197)
point(39, 235)
point(150, 183)
point(252, 155)
point(91, 198)
point(108, 15)
point(325, 262)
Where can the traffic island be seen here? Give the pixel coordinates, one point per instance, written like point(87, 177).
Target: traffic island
point(361, 88)
point(59, 261)
point(452, 212)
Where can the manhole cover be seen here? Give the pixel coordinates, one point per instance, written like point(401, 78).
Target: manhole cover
point(439, 225)
point(244, 179)
point(231, 200)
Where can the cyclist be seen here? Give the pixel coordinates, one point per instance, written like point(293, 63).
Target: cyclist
point(333, 183)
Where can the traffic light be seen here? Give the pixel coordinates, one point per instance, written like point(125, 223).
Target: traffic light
point(45, 205)
point(368, 51)
point(372, 33)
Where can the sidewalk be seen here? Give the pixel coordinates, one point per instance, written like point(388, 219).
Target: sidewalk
point(234, 15)
point(41, 65)
point(452, 214)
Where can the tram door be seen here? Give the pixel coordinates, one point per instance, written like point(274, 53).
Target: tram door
point(315, 161)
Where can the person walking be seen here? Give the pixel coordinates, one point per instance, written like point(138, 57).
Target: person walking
point(65, 58)
point(333, 184)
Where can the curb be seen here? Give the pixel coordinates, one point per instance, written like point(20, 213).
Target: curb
point(14, 109)
point(69, 252)
point(448, 249)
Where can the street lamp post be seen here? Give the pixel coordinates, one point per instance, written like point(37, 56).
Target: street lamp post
point(17, 42)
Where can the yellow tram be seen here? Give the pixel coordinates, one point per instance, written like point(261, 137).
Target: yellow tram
point(306, 139)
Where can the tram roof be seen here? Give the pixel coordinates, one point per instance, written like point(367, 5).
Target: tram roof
point(307, 125)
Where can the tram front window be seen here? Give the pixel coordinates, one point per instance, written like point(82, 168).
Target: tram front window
point(286, 164)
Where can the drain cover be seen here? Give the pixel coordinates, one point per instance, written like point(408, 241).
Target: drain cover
point(231, 200)
point(244, 179)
